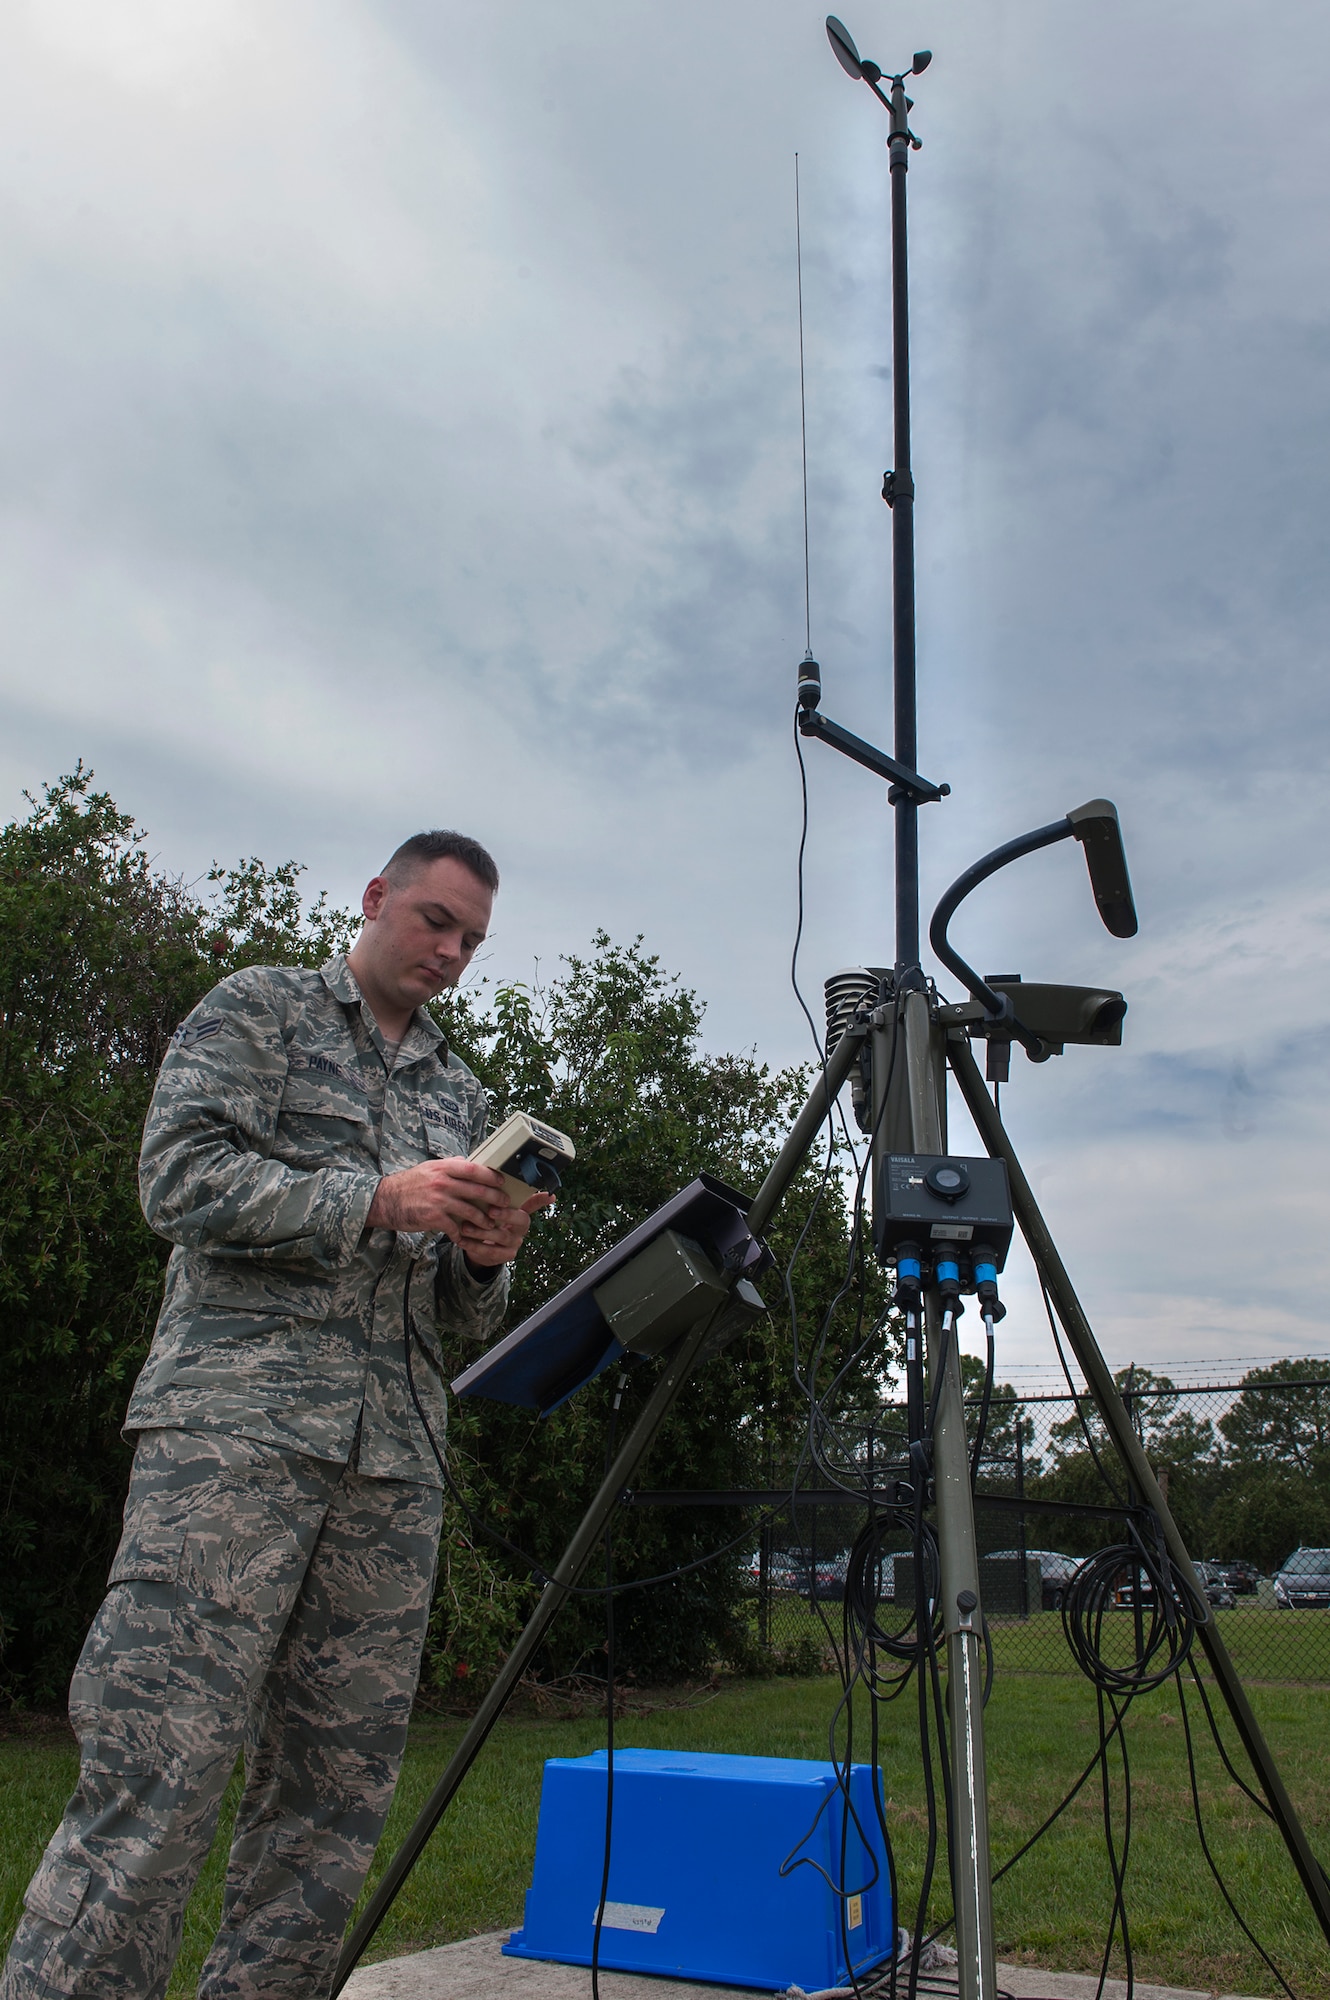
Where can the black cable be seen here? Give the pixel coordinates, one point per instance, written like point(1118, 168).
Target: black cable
point(1106, 1739)
point(853, 1262)
point(862, 1599)
point(1059, 1809)
point(880, 1808)
point(1076, 1401)
point(1117, 1867)
point(609, 1701)
point(1167, 1640)
point(1222, 1748)
point(480, 1526)
point(1211, 1863)
point(932, 1697)
point(981, 1428)
point(849, 1816)
point(940, 1364)
point(843, 1894)
point(853, 1656)
point(1162, 1647)
point(863, 1636)
point(1052, 1819)
point(819, 1422)
point(799, 882)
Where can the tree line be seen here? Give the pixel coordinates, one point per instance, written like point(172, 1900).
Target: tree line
point(1252, 1483)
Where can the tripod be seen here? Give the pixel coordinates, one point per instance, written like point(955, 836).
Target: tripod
point(932, 1043)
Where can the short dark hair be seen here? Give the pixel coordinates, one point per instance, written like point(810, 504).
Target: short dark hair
point(441, 845)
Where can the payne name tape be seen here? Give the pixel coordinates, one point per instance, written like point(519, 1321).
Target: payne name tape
point(529, 1155)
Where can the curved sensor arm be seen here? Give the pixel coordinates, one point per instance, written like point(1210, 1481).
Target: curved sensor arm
point(1095, 825)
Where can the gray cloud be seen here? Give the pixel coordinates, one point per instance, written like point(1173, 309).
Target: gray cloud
point(401, 420)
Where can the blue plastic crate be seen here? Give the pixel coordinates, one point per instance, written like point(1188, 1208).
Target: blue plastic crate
point(695, 1884)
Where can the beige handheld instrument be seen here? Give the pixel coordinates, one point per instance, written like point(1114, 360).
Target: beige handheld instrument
point(528, 1154)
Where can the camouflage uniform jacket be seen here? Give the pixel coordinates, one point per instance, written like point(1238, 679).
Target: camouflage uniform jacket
point(273, 1119)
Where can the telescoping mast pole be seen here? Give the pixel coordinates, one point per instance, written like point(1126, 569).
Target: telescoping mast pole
point(918, 1118)
point(898, 492)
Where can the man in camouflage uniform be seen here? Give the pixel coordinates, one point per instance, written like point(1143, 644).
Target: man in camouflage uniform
point(306, 1153)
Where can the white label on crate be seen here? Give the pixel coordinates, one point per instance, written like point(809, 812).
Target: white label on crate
point(854, 1912)
point(630, 1917)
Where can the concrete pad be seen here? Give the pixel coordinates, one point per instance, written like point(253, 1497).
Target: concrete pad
point(476, 1969)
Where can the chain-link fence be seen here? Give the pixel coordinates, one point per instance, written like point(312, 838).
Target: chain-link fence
point(1245, 1467)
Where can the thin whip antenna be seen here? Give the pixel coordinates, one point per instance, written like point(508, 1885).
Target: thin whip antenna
point(803, 404)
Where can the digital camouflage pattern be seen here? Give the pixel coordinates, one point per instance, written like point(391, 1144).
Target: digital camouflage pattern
point(274, 1580)
point(256, 1596)
point(273, 1119)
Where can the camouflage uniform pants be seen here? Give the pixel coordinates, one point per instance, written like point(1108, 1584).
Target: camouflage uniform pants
point(257, 1597)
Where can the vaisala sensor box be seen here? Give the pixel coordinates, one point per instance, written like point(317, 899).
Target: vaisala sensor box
point(940, 1201)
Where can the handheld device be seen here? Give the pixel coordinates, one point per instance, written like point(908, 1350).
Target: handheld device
point(528, 1154)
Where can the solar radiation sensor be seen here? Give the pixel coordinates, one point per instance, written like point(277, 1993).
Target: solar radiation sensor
point(612, 1308)
point(948, 1180)
point(842, 43)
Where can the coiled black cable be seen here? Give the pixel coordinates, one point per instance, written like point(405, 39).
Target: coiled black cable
point(864, 1603)
point(1167, 1614)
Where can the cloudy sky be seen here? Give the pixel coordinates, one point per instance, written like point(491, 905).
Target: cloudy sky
point(401, 426)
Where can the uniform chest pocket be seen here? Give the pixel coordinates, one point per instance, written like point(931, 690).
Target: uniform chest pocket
point(323, 1119)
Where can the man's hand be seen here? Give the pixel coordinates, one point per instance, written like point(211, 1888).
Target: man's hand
point(465, 1202)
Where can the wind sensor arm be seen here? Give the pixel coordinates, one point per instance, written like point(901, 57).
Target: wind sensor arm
point(1096, 827)
point(904, 782)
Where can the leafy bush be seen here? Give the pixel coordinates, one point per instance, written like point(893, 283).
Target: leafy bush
point(100, 957)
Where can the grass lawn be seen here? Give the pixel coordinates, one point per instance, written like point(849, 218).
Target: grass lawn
point(1051, 1911)
point(1266, 1644)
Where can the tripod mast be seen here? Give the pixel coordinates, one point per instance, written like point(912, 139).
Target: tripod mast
point(909, 1097)
point(898, 492)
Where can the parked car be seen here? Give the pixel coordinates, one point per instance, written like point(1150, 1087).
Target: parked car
point(1132, 1587)
point(1303, 1584)
point(1217, 1589)
point(1055, 1572)
point(1242, 1578)
point(823, 1579)
point(782, 1571)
